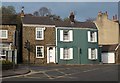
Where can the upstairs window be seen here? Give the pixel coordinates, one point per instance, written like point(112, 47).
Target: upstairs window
point(92, 36)
point(66, 35)
point(4, 34)
point(39, 33)
point(92, 53)
point(39, 52)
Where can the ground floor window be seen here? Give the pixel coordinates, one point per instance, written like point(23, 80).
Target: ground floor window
point(66, 53)
point(92, 53)
point(2, 54)
point(39, 51)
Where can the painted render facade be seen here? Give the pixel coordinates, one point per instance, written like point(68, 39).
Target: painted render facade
point(108, 30)
point(79, 46)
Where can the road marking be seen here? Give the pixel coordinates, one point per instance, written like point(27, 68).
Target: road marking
point(48, 76)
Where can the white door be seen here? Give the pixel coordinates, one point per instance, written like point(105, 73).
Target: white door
point(50, 54)
point(108, 57)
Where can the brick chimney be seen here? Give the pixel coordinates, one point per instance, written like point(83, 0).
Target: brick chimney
point(71, 17)
point(22, 11)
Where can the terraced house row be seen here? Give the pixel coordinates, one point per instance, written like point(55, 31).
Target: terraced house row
point(45, 41)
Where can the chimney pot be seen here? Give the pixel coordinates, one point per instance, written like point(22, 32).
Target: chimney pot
point(71, 17)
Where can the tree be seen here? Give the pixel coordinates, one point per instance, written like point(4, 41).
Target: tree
point(66, 19)
point(8, 10)
point(90, 19)
point(54, 17)
point(36, 13)
point(44, 11)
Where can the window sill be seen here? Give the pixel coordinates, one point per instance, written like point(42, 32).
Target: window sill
point(39, 39)
point(39, 57)
point(92, 42)
point(66, 41)
point(93, 59)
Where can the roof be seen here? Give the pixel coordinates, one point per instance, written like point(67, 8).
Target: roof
point(75, 24)
point(37, 20)
point(58, 23)
point(109, 48)
point(8, 19)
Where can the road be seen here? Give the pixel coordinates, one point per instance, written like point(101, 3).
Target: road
point(69, 73)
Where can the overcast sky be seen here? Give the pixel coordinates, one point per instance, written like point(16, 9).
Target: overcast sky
point(83, 10)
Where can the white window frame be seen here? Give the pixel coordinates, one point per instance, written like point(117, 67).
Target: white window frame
point(42, 30)
point(42, 52)
point(92, 51)
point(94, 36)
point(70, 53)
point(70, 36)
point(6, 31)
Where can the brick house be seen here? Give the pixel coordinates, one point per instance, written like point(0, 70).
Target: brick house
point(7, 41)
point(40, 32)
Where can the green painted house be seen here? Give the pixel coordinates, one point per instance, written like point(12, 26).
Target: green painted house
point(76, 42)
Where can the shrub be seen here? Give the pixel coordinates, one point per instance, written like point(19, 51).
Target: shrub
point(6, 64)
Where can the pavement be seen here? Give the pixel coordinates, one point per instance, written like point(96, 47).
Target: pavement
point(13, 72)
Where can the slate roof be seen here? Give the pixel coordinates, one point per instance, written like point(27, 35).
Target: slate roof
point(75, 24)
point(37, 20)
point(57, 23)
point(109, 48)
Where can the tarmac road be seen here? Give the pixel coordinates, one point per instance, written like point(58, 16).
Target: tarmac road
point(69, 73)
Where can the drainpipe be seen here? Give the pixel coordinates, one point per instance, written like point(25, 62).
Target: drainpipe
point(78, 54)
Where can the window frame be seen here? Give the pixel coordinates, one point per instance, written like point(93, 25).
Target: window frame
point(70, 35)
point(92, 51)
point(6, 32)
point(42, 51)
point(42, 32)
point(70, 53)
point(92, 36)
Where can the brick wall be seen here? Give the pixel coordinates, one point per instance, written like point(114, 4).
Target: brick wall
point(29, 34)
point(11, 29)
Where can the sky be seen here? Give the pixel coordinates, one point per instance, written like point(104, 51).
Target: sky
point(83, 10)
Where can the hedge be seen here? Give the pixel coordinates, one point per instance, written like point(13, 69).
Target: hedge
point(6, 64)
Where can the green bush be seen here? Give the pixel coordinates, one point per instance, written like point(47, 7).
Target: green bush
point(6, 64)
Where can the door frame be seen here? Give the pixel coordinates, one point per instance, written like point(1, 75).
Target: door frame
point(48, 56)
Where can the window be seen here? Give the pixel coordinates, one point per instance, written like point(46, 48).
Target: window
point(39, 33)
point(39, 51)
point(66, 35)
point(92, 36)
point(4, 34)
point(66, 53)
point(92, 53)
point(2, 54)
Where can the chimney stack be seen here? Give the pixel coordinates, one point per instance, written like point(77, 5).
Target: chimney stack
point(115, 18)
point(71, 17)
point(22, 11)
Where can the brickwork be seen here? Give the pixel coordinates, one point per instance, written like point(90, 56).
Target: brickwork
point(29, 34)
point(11, 29)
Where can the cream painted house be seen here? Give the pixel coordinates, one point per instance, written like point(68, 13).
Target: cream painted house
point(108, 30)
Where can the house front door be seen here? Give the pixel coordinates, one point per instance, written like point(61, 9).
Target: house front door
point(50, 54)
